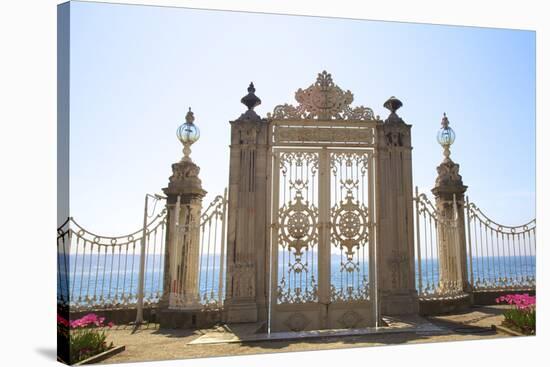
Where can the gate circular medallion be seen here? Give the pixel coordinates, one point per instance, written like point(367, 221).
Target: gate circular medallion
point(298, 225)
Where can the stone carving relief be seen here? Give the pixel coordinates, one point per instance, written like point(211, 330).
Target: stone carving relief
point(394, 139)
point(447, 174)
point(185, 179)
point(396, 262)
point(248, 132)
point(183, 170)
point(350, 319)
point(297, 321)
point(323, 100)
point(333, 135)
point(396, 135)
point(243, 280)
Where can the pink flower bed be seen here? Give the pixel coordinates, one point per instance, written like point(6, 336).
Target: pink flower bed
point(82, 336)
point(522, 315)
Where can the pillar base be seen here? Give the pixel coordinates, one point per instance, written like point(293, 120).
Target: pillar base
point(237, 312)
point(441, 306)
point(188, 319)
point(399, 303)
point(190, 303)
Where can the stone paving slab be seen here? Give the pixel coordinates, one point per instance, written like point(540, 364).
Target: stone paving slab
point(395, 325)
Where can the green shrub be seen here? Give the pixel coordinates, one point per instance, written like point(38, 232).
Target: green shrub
point(84, 336)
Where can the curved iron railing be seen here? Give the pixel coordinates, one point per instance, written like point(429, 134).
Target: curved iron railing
point(500, 256)
point(103, 271)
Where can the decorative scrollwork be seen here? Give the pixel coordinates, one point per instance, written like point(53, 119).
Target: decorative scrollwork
point(286, 294)
point(349, 220)
point(349, 159)
point(299, 159)
point(323, 100)
point(298, 228)
point(351, 293)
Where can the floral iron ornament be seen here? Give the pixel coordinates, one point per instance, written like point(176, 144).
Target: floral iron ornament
point(322, 100)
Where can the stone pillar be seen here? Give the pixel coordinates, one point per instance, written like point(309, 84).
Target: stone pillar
point(394, 216)
point(247, 260)
point(449, 198)
point(184, 202)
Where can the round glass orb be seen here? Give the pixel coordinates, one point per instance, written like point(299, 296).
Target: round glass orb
point(188, 133)
point(446, 136)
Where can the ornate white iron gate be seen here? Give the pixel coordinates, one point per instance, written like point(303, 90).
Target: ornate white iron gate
point(323, 197)
point(323, 239)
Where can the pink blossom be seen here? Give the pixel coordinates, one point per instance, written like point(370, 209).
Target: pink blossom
point(62, 321)
point(521, 301)
point(88, 320)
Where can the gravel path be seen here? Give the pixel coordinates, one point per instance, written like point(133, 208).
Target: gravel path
point(151, 343)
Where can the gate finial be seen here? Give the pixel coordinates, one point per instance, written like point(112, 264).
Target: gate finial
point(393, 104)
point(251, 100)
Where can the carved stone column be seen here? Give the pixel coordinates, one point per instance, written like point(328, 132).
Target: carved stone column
point(449, 198)
point(184, 201)
point(395, 245)
point(247, 266)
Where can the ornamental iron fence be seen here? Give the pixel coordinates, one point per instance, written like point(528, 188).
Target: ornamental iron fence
point(104, 272)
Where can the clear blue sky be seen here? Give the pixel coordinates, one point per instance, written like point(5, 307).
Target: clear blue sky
point(136, 69)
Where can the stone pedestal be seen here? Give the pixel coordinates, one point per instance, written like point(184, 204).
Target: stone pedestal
point(247, 242)
point(184, 201)
point(449, 198)
point(394, 216)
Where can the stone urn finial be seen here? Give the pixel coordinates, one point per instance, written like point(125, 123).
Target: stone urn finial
point(251, 100)
point(393, 104)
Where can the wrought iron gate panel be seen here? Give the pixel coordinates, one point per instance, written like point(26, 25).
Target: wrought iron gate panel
point(297, 232)
point(350, 224)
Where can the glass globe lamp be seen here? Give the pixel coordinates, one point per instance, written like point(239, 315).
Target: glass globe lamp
point(446, 136)
point(188, 133)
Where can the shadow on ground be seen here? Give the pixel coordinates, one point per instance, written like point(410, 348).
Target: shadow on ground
point(49, 353)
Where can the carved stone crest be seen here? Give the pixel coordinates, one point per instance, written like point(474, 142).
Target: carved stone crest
point(323, 100)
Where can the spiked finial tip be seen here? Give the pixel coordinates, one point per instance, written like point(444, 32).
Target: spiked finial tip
point(190, 117)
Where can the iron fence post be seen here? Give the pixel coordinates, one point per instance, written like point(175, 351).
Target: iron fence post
point(467, 212)
point(222, 249)
point(418, 246)
point(139, 316)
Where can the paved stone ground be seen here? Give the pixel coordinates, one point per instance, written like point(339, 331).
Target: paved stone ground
point(151, 343)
